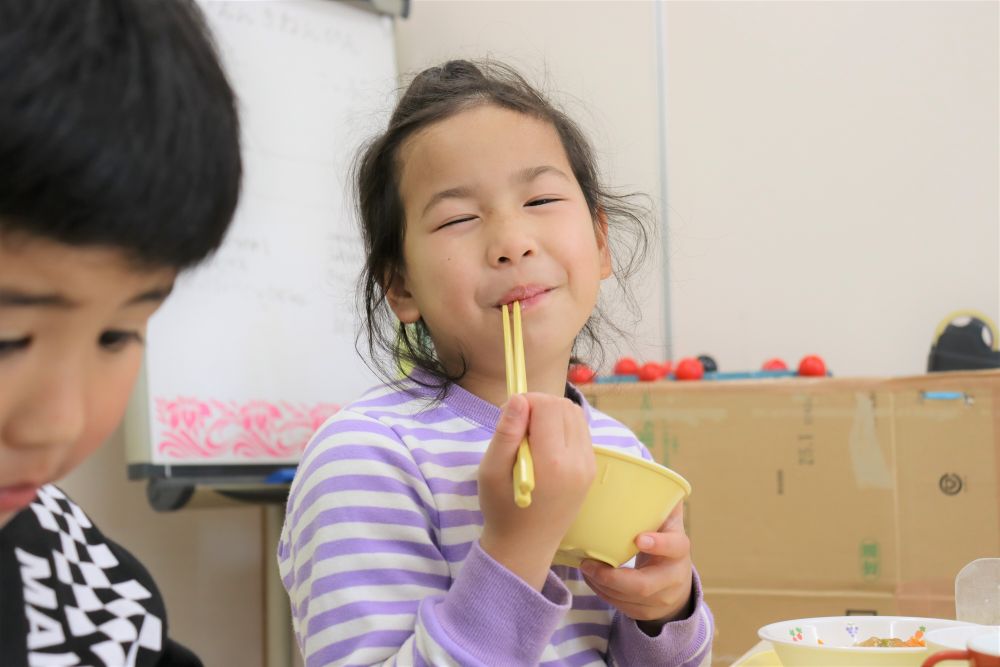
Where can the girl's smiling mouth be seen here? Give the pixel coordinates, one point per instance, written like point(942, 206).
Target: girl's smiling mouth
point(528, 295)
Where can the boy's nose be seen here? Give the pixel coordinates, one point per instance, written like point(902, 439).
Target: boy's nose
point(51, 414)
point(511, 243)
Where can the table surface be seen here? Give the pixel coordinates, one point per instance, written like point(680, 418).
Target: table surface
point(761, 655)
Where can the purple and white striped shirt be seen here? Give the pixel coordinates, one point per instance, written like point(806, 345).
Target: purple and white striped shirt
point(380, 553)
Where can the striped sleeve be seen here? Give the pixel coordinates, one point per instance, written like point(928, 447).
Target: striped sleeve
point(685, 643)
point(368, 584)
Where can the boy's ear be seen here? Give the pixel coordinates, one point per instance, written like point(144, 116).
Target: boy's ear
point(602, 243)
point(400, 300)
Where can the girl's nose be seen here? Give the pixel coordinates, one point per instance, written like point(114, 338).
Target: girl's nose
point(511, 243)
point(52, 413)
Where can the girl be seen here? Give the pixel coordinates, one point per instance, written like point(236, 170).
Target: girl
point(402, 543)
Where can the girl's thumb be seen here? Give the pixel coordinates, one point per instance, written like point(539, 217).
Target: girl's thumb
point(513, 421)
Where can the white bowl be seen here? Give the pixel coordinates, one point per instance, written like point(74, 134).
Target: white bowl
point(956, 639)
point(830, 641)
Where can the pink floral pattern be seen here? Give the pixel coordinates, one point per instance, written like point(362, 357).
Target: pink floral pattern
point(192, 428)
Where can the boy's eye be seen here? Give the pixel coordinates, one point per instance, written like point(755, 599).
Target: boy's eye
point(541, 201)
point(116, 340)
point(14, 345)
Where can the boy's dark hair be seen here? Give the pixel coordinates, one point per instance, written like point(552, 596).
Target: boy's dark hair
point(436, 94)
point(117, 128)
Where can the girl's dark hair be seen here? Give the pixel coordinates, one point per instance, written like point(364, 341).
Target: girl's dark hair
point(117, 128)
point(433, 95)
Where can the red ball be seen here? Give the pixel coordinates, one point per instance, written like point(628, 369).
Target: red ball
point(626, 366)
point(812, 366)
point(774, 365)
point(666, 367)
point(650, 371)
point(580, 374)
point(689, 369)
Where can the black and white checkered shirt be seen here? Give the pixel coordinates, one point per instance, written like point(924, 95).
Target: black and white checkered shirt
point(71, 596)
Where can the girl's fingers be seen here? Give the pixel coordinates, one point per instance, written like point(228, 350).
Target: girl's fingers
point(569, 427)
point(546, 432)
point(631, 608)
point(635, 583)
point(674, 522)
point(619, 582)
point(607, 593)
point(667, 545)
point(499, 456)
point(641, 596)
point(513, 424)
point(582, 428)
point(580, 432)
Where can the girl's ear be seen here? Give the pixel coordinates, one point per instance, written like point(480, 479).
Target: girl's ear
point(400, 299)
point(602, 243)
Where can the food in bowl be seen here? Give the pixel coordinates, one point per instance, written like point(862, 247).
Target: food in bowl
point(915, 640)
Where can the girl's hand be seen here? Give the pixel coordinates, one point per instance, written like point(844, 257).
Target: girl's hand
point(524, 540)
point(658, 589)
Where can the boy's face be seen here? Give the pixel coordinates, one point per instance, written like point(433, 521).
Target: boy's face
point(72, 324)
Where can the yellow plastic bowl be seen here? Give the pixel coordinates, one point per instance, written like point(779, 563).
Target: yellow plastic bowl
point(829, 641)
point(628, 496)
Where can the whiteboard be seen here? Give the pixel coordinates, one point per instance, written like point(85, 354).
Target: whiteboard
point(256, 348)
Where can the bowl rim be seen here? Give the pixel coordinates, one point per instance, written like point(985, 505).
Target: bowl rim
point(649, 465)
point(777, 640)
point(972, 626)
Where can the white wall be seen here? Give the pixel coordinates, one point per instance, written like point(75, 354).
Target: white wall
point(833, 178)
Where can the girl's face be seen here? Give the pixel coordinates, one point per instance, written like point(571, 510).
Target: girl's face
point(72, 321)
point(494, 214)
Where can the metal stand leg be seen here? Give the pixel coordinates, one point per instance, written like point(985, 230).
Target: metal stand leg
point(280, 648)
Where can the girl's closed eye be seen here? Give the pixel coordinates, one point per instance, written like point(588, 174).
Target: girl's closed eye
point(450, 223)
point(115, 340)
point(542, 201)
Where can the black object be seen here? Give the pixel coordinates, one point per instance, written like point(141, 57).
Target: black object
point(166, 497)
point(169, 495)
point(708, 363)
point(964, 345)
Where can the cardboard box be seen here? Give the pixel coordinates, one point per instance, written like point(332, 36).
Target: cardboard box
point(792, 482)
point(814, 494)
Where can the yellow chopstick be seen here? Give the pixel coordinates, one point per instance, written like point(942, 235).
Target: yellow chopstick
point(508, 355)
point(517, 383)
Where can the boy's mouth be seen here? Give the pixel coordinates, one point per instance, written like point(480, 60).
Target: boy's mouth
point(522, 293)
point(17, 497)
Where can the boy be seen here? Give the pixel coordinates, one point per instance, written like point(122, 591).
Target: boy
point(119, 166)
